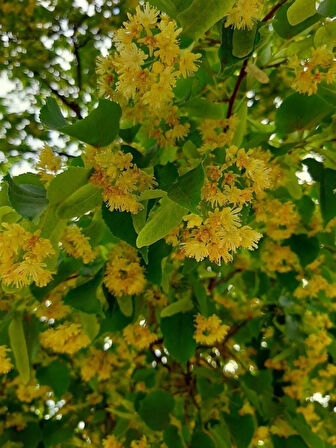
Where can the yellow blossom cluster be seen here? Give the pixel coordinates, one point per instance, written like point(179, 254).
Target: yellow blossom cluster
point(277, 258)
point(48, 164)
point(312, 286)
point(77, 245)
point(209, 330)
point(29, 392)
point(139, 335)
point(124, 275)
point(244, 14)
point(66, 338)
point(121, 180)
point(98, 362)
point(280, 218)
point(111, 442)
point(52, 306)
point(320, 67)
point(5, 363)
point(218, 236)
point(217, 133)
point(143, 72)
point(22, 256)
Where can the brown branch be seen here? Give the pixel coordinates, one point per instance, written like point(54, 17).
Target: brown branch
point(214, 282)
point(243, 72)
point(70, 104)
point(233, 97)
point(271, 14)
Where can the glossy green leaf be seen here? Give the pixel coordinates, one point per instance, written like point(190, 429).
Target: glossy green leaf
point(65, 184)
point(155, 409)
point(327, 8)
point(28, 200)
point(195, 23)
point(187, 190)
point(99, 128)
point(84, 297)
point(284, 29)
point(56, 375)
point(300, 10)
point(168, 215)
point(307, 249)
point(181, 305)
point(178, 336)
point(243, 42)
point(19, 347)
point(299, 112)
point(201, 108)
point(83, 200)
point(120, 225)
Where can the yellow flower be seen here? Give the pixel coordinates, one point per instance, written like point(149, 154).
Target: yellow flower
point(124, 275)
point(5, 363)
point(48, 164)
point(139, 335)
point(142, 443)
point(23, 255)
point(111, 442)
point(98, 363)
point(244, 14)
point(77, 245)
point(67, 338)
point(210, 330)
point(188, 63)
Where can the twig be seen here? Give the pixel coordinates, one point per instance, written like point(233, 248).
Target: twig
point(233, 97)
point(271, 14)
point(71, 104)
point(214, 282)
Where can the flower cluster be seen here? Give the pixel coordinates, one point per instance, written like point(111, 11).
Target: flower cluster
point(321, 66)
point(48, 164)
point(77, 245)
point(98, 363)
point(244, 14)
point(52, 306)
point(124, 275)
point(217, 133)
point(66, 338)
point(23, 256)
point(121, 180)
point(210, 330)
point(142, 73)
point(139, 335)
point(5, 362)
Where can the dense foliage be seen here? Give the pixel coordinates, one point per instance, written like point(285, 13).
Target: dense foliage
point(174, 284)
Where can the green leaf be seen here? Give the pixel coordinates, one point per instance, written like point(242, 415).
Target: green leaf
point(120, 225)
point(240, 132)
point(306, 208)
point(180, 306)
point(19, 347)
point(298, 422)
point(201, 440)
point(299, 112)
point(284, 29)
point(156, 253)
point(202, 15)
point(155, 409)
point(56, 375)
point(65, 184)
point(90, 324)
point(56, 432)
point(235, 423)
point(84, 297)
point(327, 8)
point(172, 438)
point(290, 442)
point(126, 305)
point(327, 195)
point(178, 336)
point(27, 199)
point(243, 42)
point(83, 200)
point(187, 190)
point(326, 35)
point(168, 215)
point(307, 249)
point(99, 128)
point(300, 10)
point(7, 214)
point(201, 108)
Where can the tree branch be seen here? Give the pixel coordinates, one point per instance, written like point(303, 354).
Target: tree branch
point(233, 97)
point(70, 104)
point(214, 282)
point(271, 14)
